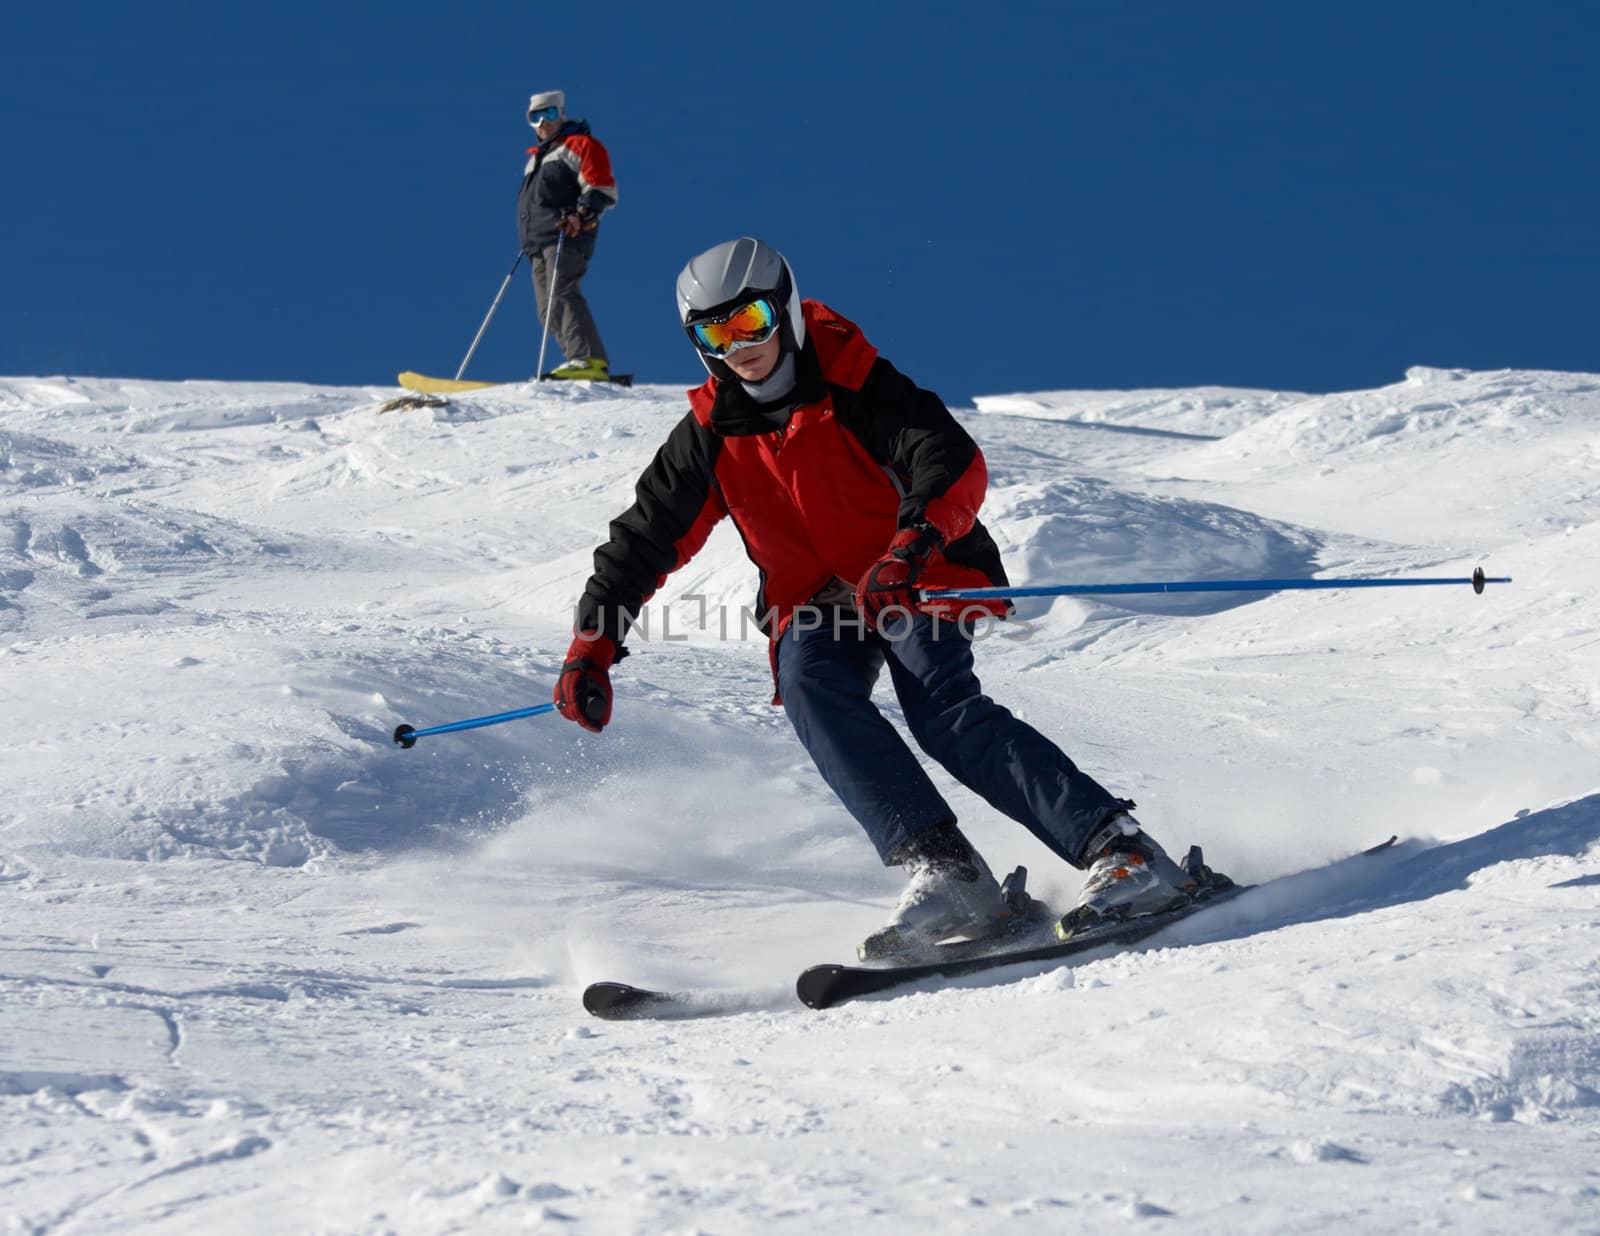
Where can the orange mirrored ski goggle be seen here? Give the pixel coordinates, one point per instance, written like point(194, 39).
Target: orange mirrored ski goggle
point(748, 325)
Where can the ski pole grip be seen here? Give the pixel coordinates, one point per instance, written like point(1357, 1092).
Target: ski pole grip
point(594, 706)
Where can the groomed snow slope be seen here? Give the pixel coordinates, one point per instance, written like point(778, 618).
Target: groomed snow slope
point(264, 972)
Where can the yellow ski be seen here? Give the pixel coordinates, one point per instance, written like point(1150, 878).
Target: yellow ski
point(439, 386)
point(430, 390)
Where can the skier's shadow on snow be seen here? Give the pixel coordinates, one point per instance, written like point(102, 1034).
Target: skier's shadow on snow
point(1410, 872)
point(1569, 831)
point(1141, 431)
point(1418, 872)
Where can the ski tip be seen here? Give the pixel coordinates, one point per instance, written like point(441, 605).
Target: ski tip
point(603, 998)
point(815, 985)
point(619, 1001)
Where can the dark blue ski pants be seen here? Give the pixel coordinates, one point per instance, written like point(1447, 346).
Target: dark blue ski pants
point(825, 676)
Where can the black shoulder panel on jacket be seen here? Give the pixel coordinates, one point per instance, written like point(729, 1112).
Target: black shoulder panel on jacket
point(644, 544)
point(908, 430)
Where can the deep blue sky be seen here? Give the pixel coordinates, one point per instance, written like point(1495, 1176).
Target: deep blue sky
point(1006, 197)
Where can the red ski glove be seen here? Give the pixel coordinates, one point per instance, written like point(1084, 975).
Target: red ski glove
point(583, 692)
point(891, 580)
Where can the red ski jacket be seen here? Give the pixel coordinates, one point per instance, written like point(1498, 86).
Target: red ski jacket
point(817, 485)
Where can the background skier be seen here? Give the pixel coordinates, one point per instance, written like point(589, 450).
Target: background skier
point(852, 489)
point(566, 186)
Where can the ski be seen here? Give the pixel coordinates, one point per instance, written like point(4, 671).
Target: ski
point(823, 986)
point(619, 379)
point(424, 384)
point(622, 1002)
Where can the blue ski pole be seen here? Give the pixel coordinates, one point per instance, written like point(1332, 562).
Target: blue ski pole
point(406, 736)
point(1477, 579)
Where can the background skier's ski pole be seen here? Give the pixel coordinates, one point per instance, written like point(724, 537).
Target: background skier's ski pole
point(550, 301)
point(594, 708)
point(504, 284)
point(1477, 579)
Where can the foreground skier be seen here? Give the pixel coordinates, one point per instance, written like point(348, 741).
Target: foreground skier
point(853, 489)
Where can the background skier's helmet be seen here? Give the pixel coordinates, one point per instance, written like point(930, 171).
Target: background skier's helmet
point(733, 274)
point(547, 98)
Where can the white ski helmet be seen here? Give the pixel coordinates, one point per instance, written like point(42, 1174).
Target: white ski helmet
point(547, 98)
point(734, 272)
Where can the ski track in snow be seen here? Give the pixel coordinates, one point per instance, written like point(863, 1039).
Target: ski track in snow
point(264, 972)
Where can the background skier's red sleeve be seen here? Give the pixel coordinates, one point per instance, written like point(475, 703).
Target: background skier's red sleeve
point(593, 168)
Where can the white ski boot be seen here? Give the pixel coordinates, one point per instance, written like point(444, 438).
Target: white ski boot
point(950, 892)
point(1128, 874)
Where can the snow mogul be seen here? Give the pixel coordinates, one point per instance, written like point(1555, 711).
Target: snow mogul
point(854, 489)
